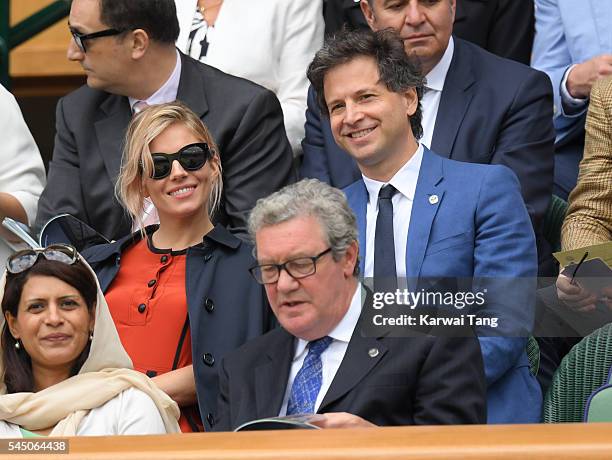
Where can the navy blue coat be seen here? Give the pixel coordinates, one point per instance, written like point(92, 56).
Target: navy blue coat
point(226, 306)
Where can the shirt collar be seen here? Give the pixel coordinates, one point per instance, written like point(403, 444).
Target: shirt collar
point(404, 180)
point(437, 75)
point(168, 91)
point(344, 329)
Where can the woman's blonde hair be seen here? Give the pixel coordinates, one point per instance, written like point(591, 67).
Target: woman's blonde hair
point(137, 163)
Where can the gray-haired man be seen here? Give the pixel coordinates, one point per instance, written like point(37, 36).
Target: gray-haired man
point(318, 361)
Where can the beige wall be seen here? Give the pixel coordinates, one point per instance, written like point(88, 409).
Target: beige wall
point(45, 54)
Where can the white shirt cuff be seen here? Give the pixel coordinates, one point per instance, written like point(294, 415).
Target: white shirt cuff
point(572, 106)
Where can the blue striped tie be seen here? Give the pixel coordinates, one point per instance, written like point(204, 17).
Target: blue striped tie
point(307, 382)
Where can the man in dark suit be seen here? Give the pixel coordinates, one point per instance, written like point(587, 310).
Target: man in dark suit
point(126, 48)
point(319, 360)
point(477, 108)
point(503, 27)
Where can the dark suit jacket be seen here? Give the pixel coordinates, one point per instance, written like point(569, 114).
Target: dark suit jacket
point(245, 120)
point(503, 27)
point(412, 381)
point(226, 306)
point(492, 111)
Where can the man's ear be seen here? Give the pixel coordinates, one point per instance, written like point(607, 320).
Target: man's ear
point(351, 258)
point(11, 323)
point(140, 43)
point(368, 12)
point(412, 101)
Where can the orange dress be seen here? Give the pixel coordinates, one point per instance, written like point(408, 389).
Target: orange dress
point(148, 303)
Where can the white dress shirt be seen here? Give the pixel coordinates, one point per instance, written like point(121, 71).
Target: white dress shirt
point(433, 92)
point(168, 91)
point(405, 181)
point(332, 357)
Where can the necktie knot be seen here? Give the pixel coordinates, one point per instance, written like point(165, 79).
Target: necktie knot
point(387, 192)
point(317, 347)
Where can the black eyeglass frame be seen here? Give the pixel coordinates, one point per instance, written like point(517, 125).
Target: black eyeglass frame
point(256, 269)
point(69, 251)
point(80, 38)
point(170, 158)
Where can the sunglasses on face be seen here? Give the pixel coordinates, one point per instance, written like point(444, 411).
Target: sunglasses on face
point(24, 260)
point(80, 38)
point(191, 158)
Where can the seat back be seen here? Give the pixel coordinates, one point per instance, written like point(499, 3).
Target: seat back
point(553, 220)
point(583, 370)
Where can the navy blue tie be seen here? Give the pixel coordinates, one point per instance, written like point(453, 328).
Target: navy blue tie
point(307, 382)
point(385, 277)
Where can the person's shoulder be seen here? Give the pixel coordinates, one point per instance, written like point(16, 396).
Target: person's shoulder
point(475, 172)
point(85, 96)
point(496, 70)
point(216, 80)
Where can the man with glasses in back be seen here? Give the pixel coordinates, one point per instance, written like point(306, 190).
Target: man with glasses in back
point(126, 48)
point(320, 360)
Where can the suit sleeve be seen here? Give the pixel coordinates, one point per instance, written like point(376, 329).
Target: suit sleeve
point(511, 33)
point(525, 143)
point(451, 388)
point(505, 268)
point(259, 159)
point(303, 36)
point(315, 163)
point(63, 193)
point(589, 216)
point(22, 174)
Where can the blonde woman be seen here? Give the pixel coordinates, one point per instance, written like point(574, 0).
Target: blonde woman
point(180, 293)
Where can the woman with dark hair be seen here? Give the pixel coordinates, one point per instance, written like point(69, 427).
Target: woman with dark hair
point(179, 292)
point(58, 336)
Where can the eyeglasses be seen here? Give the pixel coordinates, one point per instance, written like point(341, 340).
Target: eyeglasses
point(297, 268)
point(80, 38)
point(24, 260)
point(191, 158)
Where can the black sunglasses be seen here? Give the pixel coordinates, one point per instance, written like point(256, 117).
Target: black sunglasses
point(80, 38)
point(191, 158)
point(24, 260)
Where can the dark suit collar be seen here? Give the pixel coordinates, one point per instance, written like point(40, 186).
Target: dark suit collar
point(362, 355)
point(192, 86)
point(455, 99)
point(272, 375)
point(110, 131)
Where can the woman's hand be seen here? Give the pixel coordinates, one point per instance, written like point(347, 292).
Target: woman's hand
point(179, 385)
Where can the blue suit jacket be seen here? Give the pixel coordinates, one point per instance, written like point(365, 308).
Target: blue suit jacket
point(492, 111)
point(569, 33)
point(477, 228)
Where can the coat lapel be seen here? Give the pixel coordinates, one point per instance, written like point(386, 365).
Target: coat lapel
point(271, 376)
point(357, 197)
point(191, 90)
point(428, 195)
point(110, 131)
point(358, 361)
point(456, 97)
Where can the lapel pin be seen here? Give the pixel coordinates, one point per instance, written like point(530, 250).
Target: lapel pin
point(373, 352)
point(433, 199)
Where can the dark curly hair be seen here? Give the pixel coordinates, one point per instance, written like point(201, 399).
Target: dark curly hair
point(397, 71)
